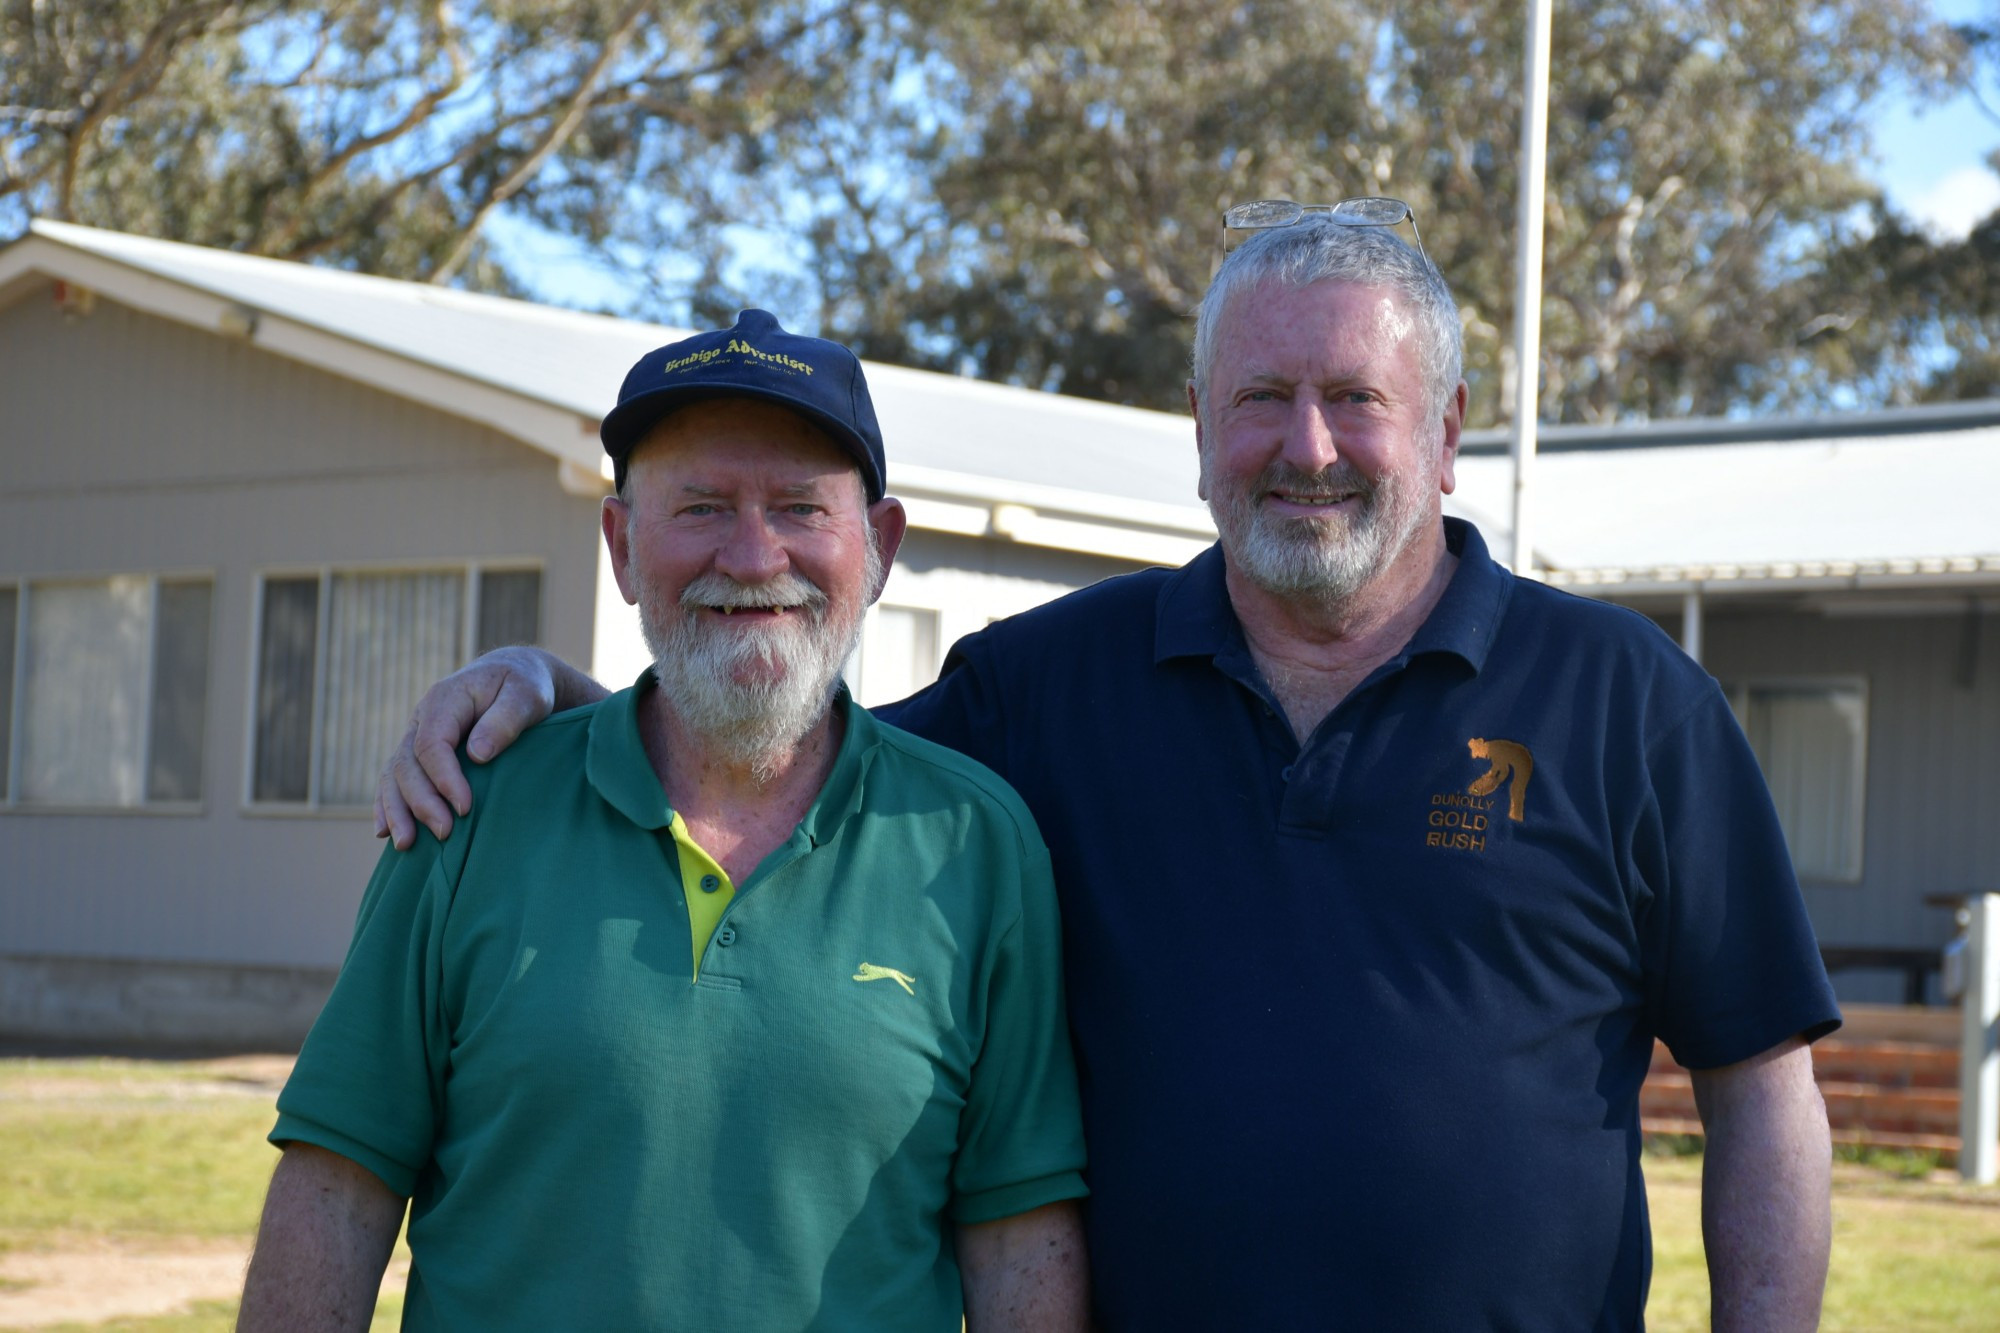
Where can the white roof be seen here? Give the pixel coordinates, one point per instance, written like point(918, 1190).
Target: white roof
point(1065, 472)
point(1840, 499)
point(1835, 500)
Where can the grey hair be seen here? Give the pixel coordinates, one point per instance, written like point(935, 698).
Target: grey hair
point(1319, 250)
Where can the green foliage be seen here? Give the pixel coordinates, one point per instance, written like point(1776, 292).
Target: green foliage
point(1031, 190)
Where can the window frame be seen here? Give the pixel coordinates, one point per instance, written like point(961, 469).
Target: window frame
point(855, 671)
point(1738, 691)
point(11, 800)
point(323, 574)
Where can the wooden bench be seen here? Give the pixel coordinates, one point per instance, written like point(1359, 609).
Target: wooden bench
point(1916, 965)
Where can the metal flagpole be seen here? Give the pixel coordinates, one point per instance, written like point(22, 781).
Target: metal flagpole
point(1528, 289)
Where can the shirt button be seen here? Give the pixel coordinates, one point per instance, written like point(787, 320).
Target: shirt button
point(726, 936)
point(709, 883)
point(1286, 774)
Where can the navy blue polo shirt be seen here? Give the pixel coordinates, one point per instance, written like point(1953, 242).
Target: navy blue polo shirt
point(1361, 1023)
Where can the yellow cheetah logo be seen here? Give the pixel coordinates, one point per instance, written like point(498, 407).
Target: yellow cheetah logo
point(870, 972)
point(1509, 759)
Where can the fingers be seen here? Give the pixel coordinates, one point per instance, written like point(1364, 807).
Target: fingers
point(393, 819)
point(423, 784)
point(523, 692)
point(426, 767)
point(516, 708)
point(488, 705)
point(406, 797)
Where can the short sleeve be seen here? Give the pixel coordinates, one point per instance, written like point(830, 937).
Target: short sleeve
point(1021, 1132)
point(1732, 967)
point(960, 710)
point(369, 1081)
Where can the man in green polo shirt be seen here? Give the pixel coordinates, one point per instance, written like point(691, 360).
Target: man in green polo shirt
point(730, 1007)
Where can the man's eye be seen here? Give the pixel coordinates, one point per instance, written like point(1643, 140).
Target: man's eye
point(699, 510)
point(802, 510)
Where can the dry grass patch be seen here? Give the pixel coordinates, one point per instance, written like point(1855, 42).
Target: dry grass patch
point(1912, 1255)
point(129, 1192)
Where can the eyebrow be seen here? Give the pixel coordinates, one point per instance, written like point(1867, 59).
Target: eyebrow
point(798, 489)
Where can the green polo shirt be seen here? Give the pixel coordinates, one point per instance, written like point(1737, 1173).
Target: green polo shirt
point(596, 1136)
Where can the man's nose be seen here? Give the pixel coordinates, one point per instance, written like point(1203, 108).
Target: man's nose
point(752, 553)
point(1310, 442)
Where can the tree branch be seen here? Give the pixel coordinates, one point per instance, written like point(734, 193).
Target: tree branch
point(559, 130)
point(419, 112)
point(161, 41)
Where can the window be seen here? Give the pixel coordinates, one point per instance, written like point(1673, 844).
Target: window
point(898, 655)
point(104, 691)
point(343, 656)
point(1810, 738)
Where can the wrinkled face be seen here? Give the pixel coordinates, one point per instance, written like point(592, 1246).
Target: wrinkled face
point(746, 541)
point(1323, 453)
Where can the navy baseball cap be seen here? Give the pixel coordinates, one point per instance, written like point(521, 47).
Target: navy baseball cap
point(755, 358)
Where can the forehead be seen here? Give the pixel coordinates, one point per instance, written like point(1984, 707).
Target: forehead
point(1277, 322)
point(726, 441)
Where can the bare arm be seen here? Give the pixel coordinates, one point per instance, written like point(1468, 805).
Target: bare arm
point(1766, 1219)
point(1026, 1272)
point(329, 1224)
point(495, 698)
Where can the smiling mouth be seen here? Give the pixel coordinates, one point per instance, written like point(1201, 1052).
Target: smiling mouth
point(1319, 501)
point(755, 610)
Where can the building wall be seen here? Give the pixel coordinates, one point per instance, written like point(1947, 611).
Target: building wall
point(129, 444)
point(1933, 776)
point(969, 582)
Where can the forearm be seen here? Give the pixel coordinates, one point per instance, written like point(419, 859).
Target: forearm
point(1766, 1179)
point(574, 687)
point(1026, 1273)
point(322, 1246)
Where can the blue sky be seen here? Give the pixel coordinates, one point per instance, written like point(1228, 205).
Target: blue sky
point(1931, 161)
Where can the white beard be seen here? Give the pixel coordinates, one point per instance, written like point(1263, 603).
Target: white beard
point(751, 691)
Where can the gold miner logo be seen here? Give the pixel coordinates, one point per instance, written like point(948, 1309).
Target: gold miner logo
point(1459, 820)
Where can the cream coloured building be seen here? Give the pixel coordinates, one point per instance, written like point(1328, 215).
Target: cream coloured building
point(248, 509)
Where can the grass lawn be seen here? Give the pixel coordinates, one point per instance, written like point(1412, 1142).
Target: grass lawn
point(1910, 1254)
point(103, 1153)
point(114, 1156)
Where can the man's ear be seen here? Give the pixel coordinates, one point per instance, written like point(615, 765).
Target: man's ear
point(1454, 422)
point(1194, 407)
point(615, 516)
point(888, 521)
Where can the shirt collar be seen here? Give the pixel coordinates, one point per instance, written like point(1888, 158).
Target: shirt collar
point(616, 764)
point(1195, 618)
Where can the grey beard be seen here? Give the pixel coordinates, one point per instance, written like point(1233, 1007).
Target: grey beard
point(1325, 560)
point(796, 663)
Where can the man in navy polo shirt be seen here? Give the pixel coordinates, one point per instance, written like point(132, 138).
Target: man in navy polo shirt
point(1381, 869)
